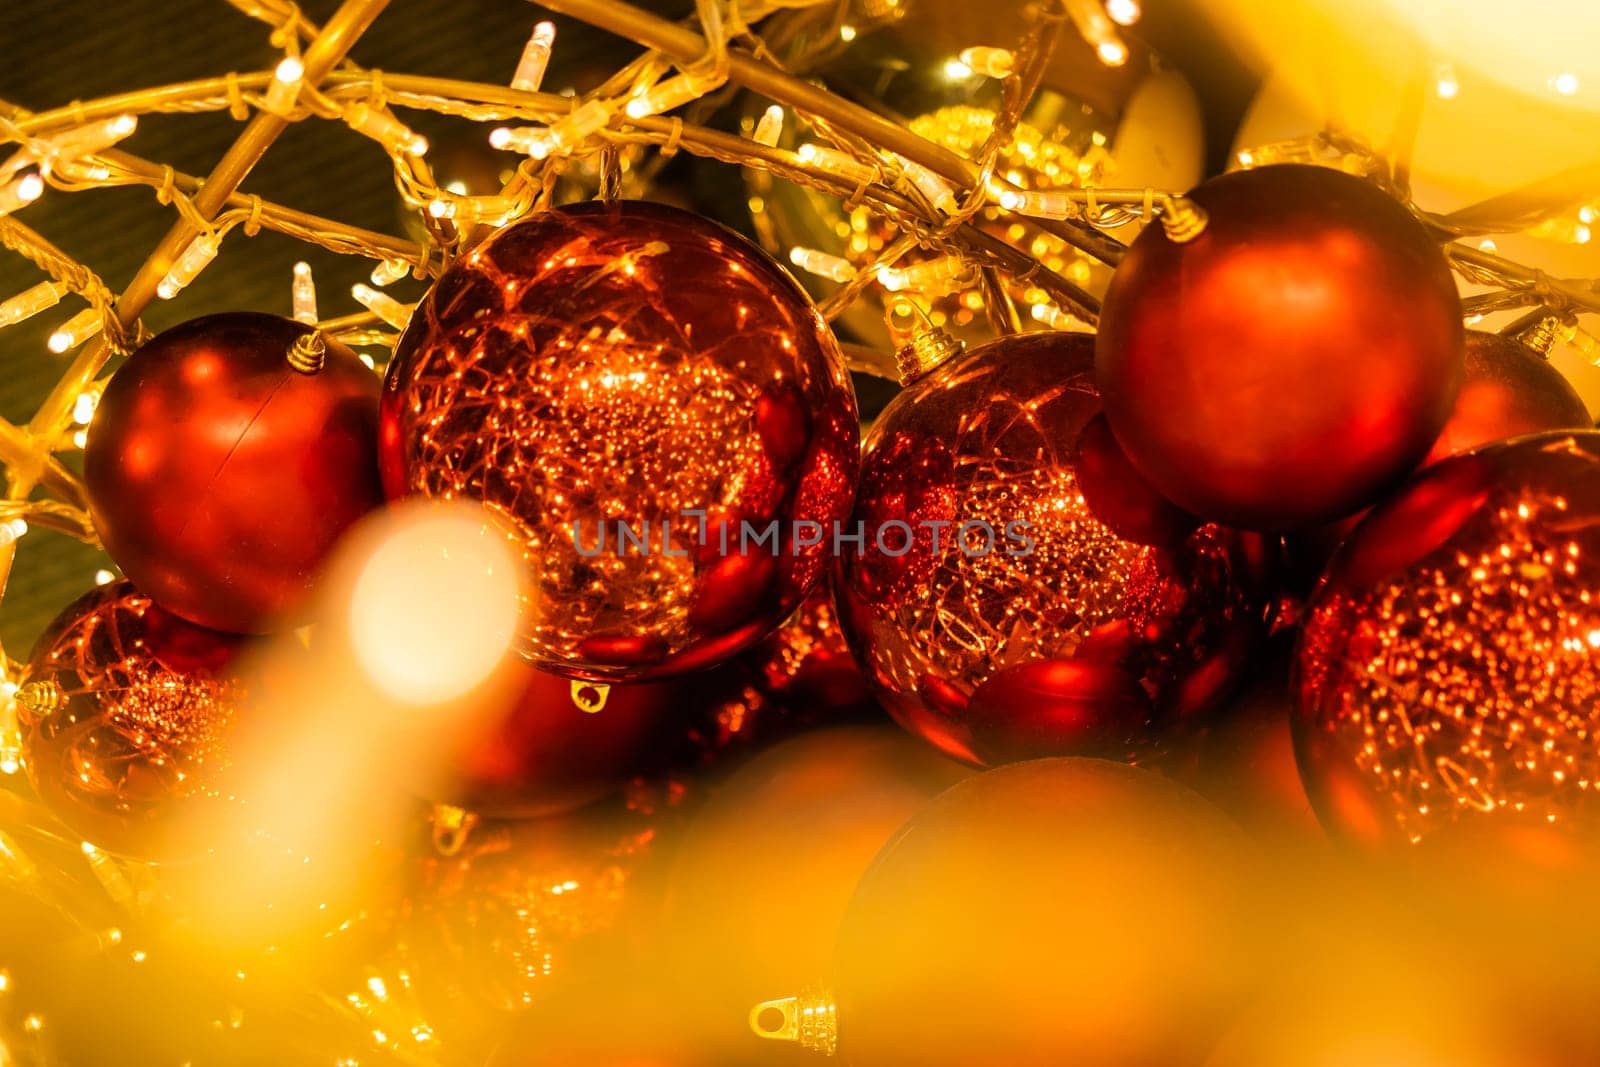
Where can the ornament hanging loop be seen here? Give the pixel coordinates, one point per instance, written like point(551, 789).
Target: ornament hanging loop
point(451, 828)
point(590, 697)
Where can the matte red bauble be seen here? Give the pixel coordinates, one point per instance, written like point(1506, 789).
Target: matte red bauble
point(219, 475)
point(127, 714)
point(1449, 670)
point(565, 743)
point(996, 614)
point(1507, 390)
point(631, 387)
point(1291, 361)
point(1056, 911)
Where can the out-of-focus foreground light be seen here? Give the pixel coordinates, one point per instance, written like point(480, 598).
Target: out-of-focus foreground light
point(434, 608)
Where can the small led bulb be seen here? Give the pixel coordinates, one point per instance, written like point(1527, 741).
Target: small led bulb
point(1112, 53)
point(76, 330)
point(821, 264)
point(83, 408)
point(837, 163)
point(934, 188)
point(589, 119)
point(20, 193)
point(394, 135)
point(1054, 317)
point(389, 271)
point(201, 251)
point(529, 140)
point(990, 62)
point(1039, 203)
point(30, 302)
point(11, 532)
point(304, 294)
point(87, 140)
point(535, 58)
point(496, 209)
point(672, 93)
point(770, 128)
point(933, 276)
point(284, 89)
point(386, 307)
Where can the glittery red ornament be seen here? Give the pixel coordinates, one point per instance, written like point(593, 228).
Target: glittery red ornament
point(1055, 911)
point(1289, 362)
point(127, 713)
point(1449, 670)
point(995, 613)
point(565, 743)
point(219, 476)
point(631, 364)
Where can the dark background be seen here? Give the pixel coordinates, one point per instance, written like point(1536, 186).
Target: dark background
point(55, 51)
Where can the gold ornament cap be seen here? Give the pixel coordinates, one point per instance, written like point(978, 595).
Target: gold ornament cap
point(309, 352)
point(1183, 219)
point(810, 1020)
point(926, 350)
point(1539, 335)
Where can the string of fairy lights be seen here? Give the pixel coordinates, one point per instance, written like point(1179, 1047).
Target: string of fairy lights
point(931, 197)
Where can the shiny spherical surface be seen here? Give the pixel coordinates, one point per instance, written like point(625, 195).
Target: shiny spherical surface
point(1055, 911)
point(997, 615)
point(127, 713)
point(219, 476)
point(1450, 666)
point(630, 365)
point(565, 743)
point(1288, 363)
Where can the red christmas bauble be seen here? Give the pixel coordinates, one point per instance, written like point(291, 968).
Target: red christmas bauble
point(602, 374)
point(127, 715)
point(1449, 670)
point(801, 676)
point(1054, 911)
point(517, 911)
point(219, 476)
point(995, 613)
point(565, 743)
point(1507, 390)
point(789, 834)
point(1292, 360)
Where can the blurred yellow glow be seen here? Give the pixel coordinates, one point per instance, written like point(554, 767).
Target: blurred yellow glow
point(435, 608)
point(1509, 91)
point(1123, 12)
